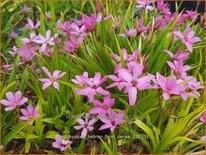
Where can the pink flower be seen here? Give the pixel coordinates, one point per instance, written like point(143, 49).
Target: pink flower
point(163, 7)
point(112, 120)
point(178, 56)
point(93, 86)
point(169, 86)
point(89, 22)
point(48, 15)
point(144, 5)
point(73, 44)
point(78, 30)
point(79, 80)
point(13, 34)
point(178, 67)
point(26, 9)
point(13, 100)
point(140, 28)
point(29, 113)
point(27, 53)
point(66, 26)
point(52, 80)
point(134, 82)
point(203, 117)
point(9, 67)
point(187, 37)
point(30, 40)
point(30, 25)
point(102, 108)
point(14, 52)
point(86, 125)
point(61, 144)
point(45, 41)
point(130, 60)
point(129, 33)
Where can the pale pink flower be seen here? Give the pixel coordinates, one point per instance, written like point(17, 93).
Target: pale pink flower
point(178, 67)
point(29, 113)
point(73, 44)
point(86, 125)
point(48, 15)
point(203, 117)
point(14, 52)
point(13, 34)
point(27, 53)
point(144, 5)
point(30, 25)
point(26, 9)
point(61, 144)
point(52, 80)
point(13, 100)
point(187, 37)
point(178, 56)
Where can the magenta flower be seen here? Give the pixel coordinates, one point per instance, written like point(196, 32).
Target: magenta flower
point(112, 120)
point(187, 37)
point(78, 30)
point(26, 9)
point(73, 44)
point(13, 100)
point(102, 108)
point(52, 80)
point(169, 86)
point(13, 34)
point(129, 33)
point(86, 125)
point(163, 7)
point(65, 27)
point(117, 82)
point(27, 53)
point(178, 56)
point(93, 86)
point(178, 67)
point(45, 41)
point(203, 117)
point(89, 22)
point(134, 82)
point(61, 144)
point(144, 5)
point(30, 25)
point(141, 29)
point(29, 113)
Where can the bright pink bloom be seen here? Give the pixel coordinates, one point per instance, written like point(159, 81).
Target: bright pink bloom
point(93, 86)
point(169, 86)
point(141, 29)
point(52, 80)
point(13, 34)
point(178, 56)
point(163, 7)
point(13, 100)
point(78, 30)
point(102, 108)
point(86, 125)
point(112, 120)
point(203, 117)
point(178, 67)
point(66, 26)
point(89, 22)
point(30, 25)
point(61, 144)
point(187, 37)
point(48, 40)
point(29, 113)
point(134, 82)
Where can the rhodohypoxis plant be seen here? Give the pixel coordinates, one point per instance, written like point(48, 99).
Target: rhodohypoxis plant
point(149, 81)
